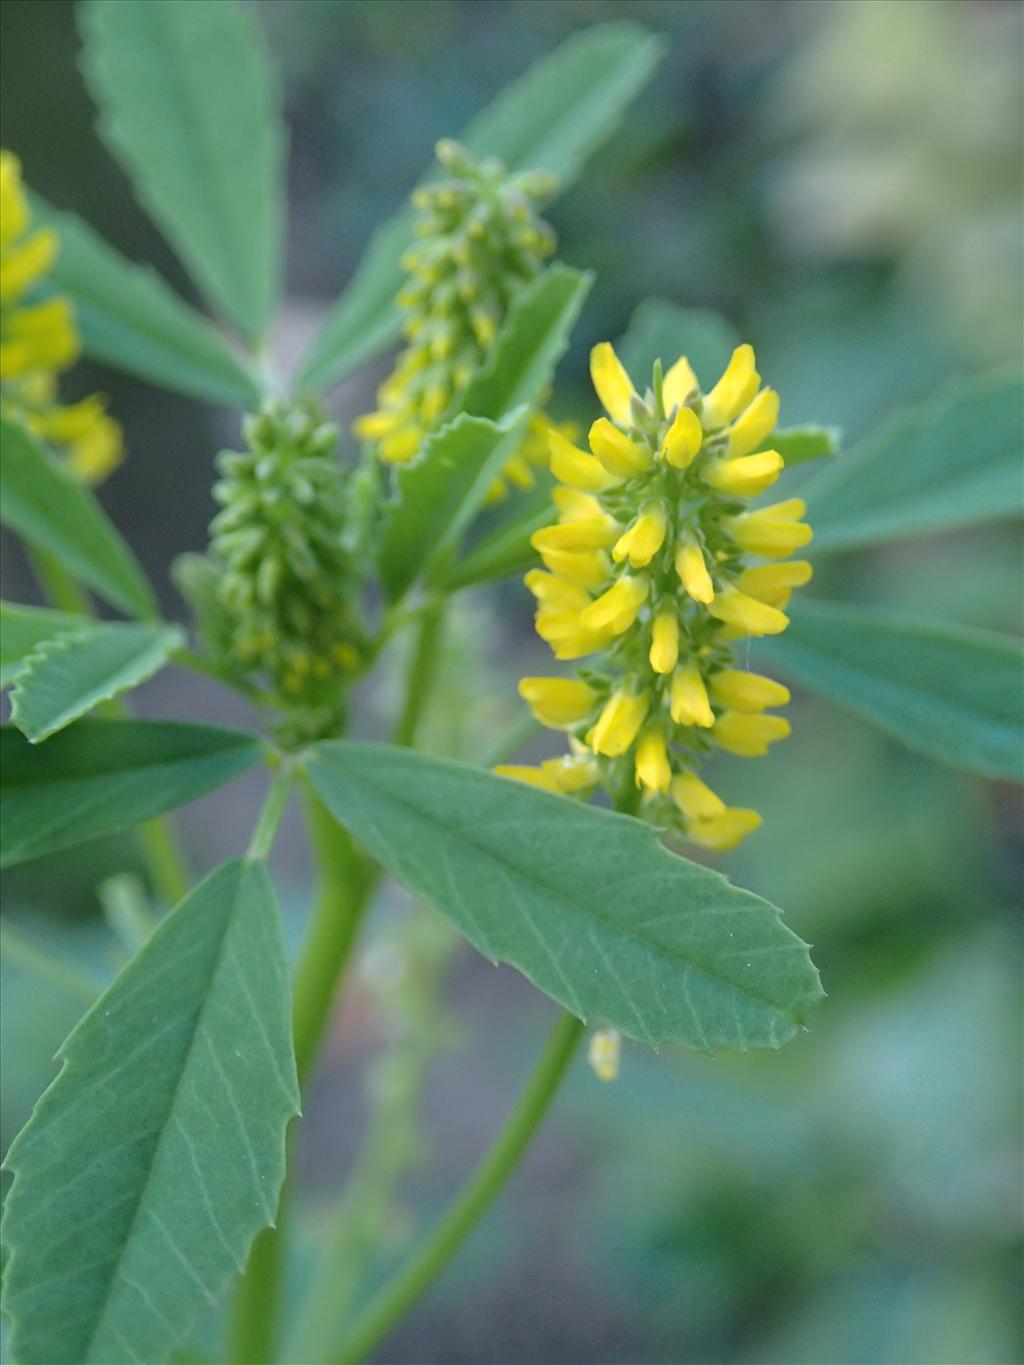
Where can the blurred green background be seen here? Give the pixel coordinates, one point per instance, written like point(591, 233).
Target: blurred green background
point(843, 179)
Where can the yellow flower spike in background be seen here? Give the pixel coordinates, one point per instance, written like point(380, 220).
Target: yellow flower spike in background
point(38, 340)
point(648, 571)
point(480, 241)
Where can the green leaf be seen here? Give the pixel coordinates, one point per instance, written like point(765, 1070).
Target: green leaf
point(662, 330)
point(104, 775)
point(157, 1154)
point(950, 462)
point(129, 318)
point(797, 445)
point(435, 494)
point(553, 118)
point(45, 505)
point(189, 105)
point(588, 904)
point(67, 676)
point(439, 492)
point(954, 694)
point(506, 550)
point(23, 628)
point(530, 344)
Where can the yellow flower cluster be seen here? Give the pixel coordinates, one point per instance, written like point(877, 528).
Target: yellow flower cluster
point(480, 241)
point(39, 340)
point(649, 566)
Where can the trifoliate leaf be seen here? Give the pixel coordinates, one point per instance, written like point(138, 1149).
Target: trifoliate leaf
point(157, 1154)
point(588, 904)
point(952, 693)
point(46, 506)
point(66, 677)
point(189, 106)
point(952, 461)
point(104, 775)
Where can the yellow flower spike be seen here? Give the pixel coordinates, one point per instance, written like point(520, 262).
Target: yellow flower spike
point(724, 831)
point(596, 534)
point(748, 736)
point(693, 573)
point(683, 439)
point(679, 384)
point(617, 608)
point(775, 531)
point(618, 454)
point(747, 691)
point(13, 204)
point(604, 1052)
point(774, 583)
point(617, 726)
point(588, 568)
point(688, 699)
point(24, 264)
point(755, 424)
point(755, 618)
point(612, 384)
point(558, 702)
point(745, 476)
point(572, 773)
point(575, 467)
point(664, 651)
point(534, 777)
point(644, 538)
point(651, 765)
point(695, 798)
point(726, 399)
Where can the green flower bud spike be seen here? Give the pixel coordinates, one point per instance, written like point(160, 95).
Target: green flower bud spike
point(480, 241)
point(648, 567)
point(276, 597)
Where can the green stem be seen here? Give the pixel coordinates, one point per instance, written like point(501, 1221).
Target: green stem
point(161, 852)
point(395, 1299)
point(263, 835)
point(422, 670)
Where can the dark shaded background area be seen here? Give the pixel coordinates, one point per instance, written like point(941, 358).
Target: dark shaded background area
point(843, 180)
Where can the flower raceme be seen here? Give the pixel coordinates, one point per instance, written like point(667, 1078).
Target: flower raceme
point(648, 568)
point(480, 241)
point(38, 340)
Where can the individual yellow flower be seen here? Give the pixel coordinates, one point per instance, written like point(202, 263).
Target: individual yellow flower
point(648, 571)
point(38, 340)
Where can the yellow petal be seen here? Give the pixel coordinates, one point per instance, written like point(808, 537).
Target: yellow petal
point(617, 608)
point(664, 651)
point(596, 534)
point(588, 568)
point(745, 476)
point(557, 702)
point(683, 439)
point(25, 263)
point(774, 583)
point(651, 764)
point(618, 454)
point(573, 466)
point(755, 424)
point(612, 384)
point(724, 831)
point(694, 798)
point(535, 777)
point(726, 398)
point(572, 773)
point(678, 385)
point(761, 534)
point(618, 724)
point(755, 618)
point(693, 573)
point(559, 592)
point(747, 691)
point(644, 538)
point(688, 699)
point(748, 736)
